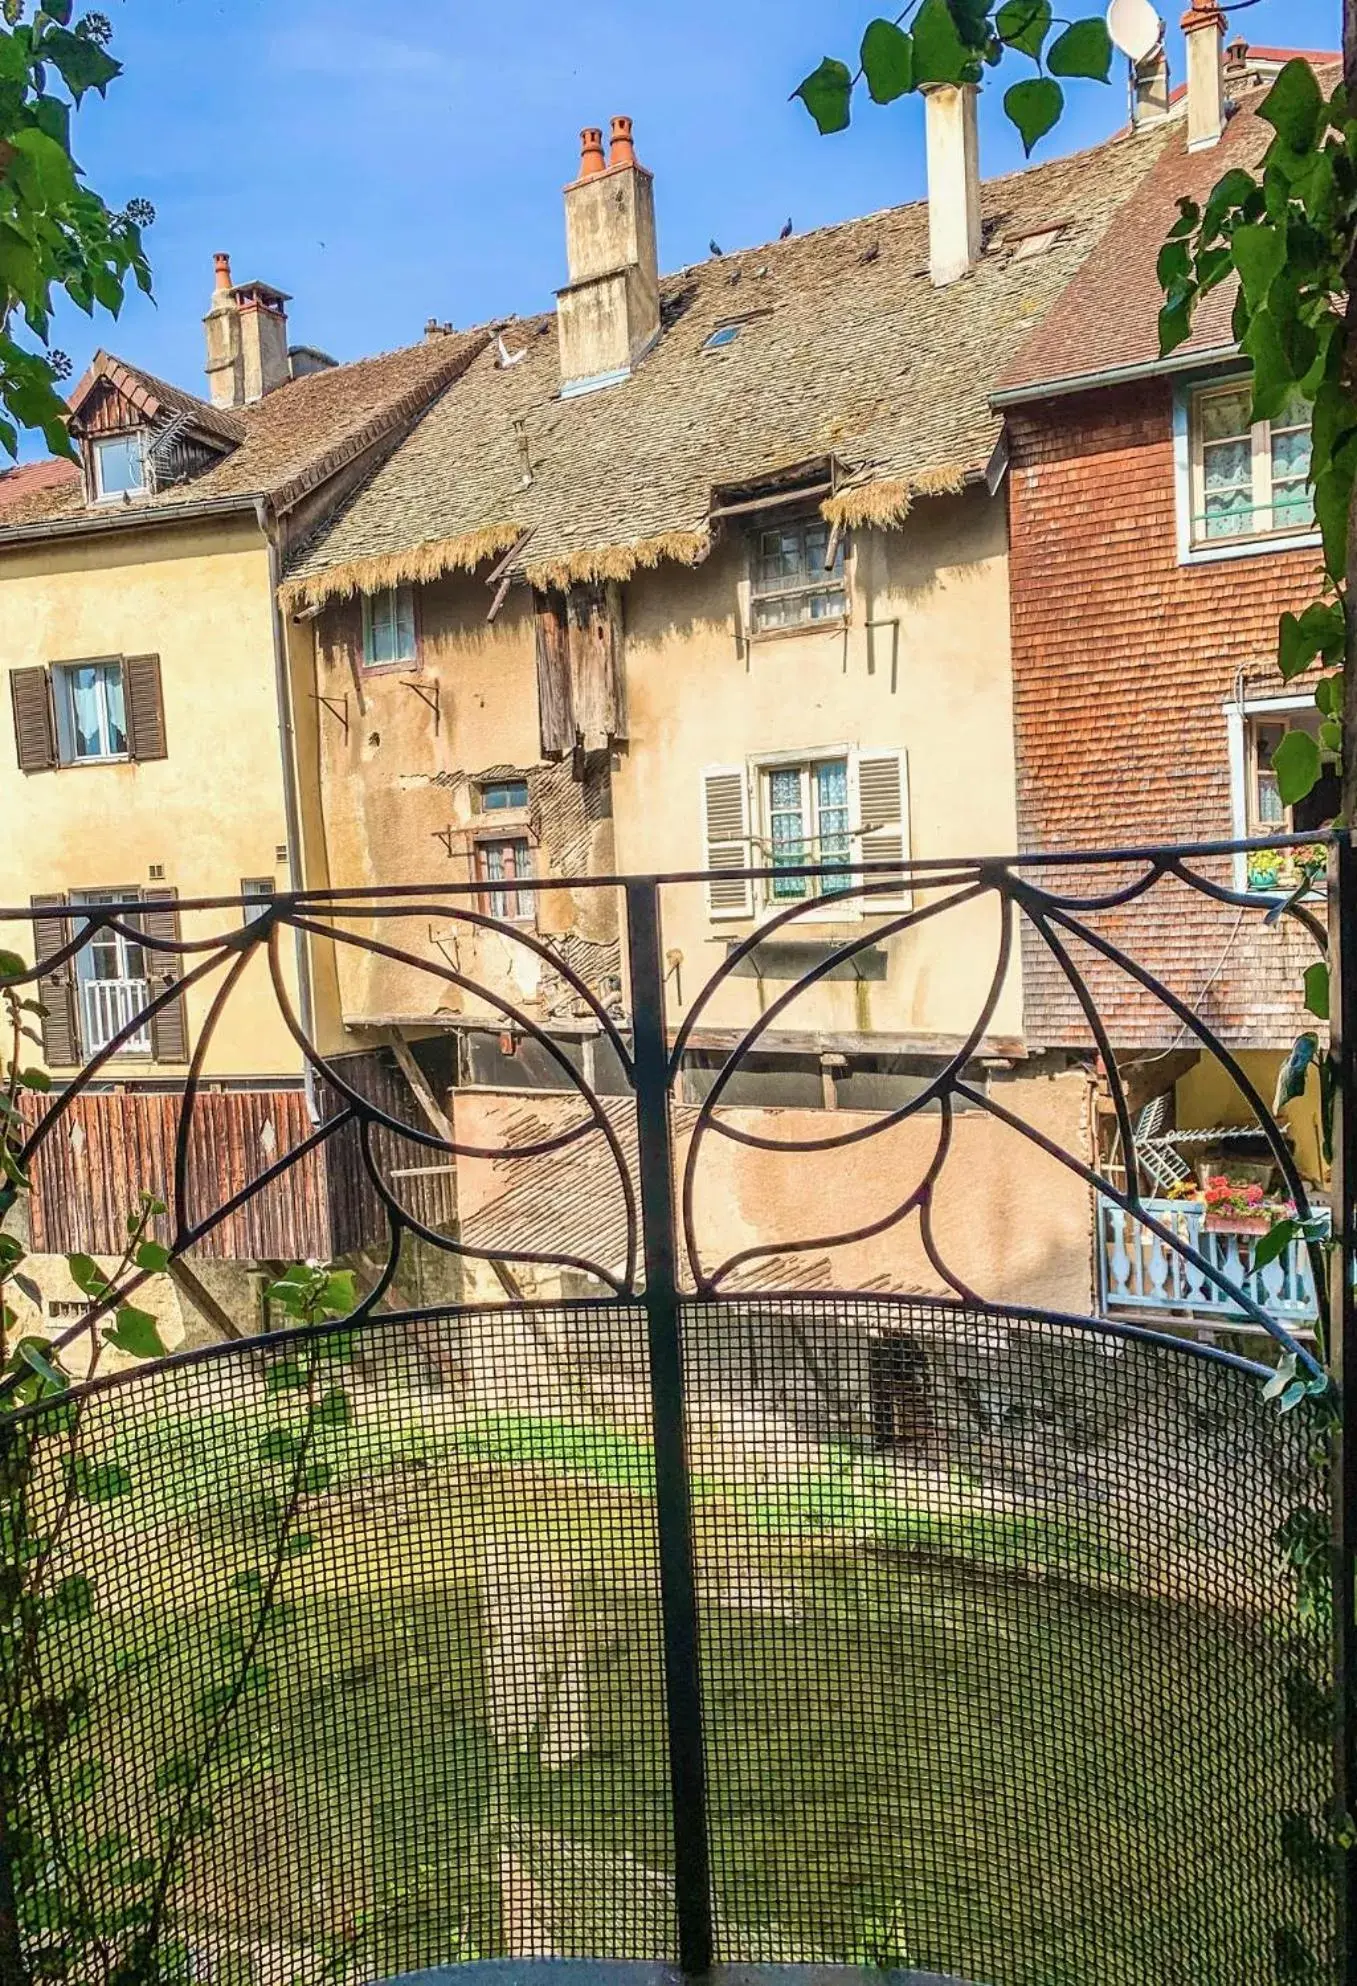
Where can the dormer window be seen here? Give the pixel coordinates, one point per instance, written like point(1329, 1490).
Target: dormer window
point(119, 466)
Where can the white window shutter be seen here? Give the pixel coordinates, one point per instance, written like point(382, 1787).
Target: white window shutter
point(883, 816)
point(725, 829)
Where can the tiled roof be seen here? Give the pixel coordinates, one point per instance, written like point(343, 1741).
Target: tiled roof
point(1108, 317)
point(849, 350)
point(287, 442)
point(33, 482)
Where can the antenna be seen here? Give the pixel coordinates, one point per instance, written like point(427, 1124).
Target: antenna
point(1135, 27)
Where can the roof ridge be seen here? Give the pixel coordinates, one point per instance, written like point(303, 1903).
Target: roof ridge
point(1123, 136)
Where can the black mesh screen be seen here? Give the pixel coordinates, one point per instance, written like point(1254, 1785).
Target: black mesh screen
point(996, 1644)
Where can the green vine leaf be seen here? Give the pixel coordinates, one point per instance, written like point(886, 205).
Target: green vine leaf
point(827, 94)
point(1296, 763)
point(135, 1332)
point(1024, 25)
point(1034, 106)
point(1317, 990)
point(940, 55)
point(1294, 106)
point(1260, 256)
point(1085, 49)
point(887, 61)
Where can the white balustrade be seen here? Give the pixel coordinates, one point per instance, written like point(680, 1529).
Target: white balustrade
point(107, 1005)
point(1139, 1271)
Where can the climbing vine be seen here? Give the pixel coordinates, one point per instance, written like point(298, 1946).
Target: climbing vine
point(79, 1899)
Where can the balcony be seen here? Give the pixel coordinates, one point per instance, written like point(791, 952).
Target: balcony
point(106, 1008)
point(1140, 1272)
point(699, 1617)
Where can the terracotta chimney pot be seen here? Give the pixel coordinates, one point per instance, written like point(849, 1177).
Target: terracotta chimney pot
point(223, 268)
point(621, 151)
point(591, 151)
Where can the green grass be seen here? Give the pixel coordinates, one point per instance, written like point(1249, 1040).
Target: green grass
point(1027, 1780)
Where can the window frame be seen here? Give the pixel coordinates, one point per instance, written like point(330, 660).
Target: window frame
point(816, 901)
point(1241, 720)
point(140, 1047)
point(98, 443)
point(1193, 547)
point(488, 886)
point(260, 890)
point(413, 660)
point(512, 808)
point(806, 587)
point(63, 711)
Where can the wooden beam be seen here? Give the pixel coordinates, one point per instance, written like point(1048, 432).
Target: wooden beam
point(203, 1300)
point(442, 1123)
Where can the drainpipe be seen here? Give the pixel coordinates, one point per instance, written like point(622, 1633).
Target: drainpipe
point(291, 806)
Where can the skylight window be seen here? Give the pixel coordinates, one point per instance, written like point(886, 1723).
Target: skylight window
point(724, 334)
point(1030, 245)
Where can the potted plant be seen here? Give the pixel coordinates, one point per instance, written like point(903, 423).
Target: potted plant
point(1264, 868)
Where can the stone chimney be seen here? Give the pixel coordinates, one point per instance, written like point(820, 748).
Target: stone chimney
point(608, 314)
point(246, 328)
point(1203, 28)
point(953, 148)
point(1150, 89)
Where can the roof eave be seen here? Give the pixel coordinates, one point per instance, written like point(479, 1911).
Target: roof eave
point(1114, 375)
point(91, 524)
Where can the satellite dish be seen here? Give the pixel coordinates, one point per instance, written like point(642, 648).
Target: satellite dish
point(1135, 28)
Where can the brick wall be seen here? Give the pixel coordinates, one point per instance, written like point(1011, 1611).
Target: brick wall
point(1122, 661)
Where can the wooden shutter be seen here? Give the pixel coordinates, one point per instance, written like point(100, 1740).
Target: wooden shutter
point(169, 1028)
point(145, 707)
point(56, 990)
point(34, 733)
point(555, 702)
point(725, 830)
point(881, 811)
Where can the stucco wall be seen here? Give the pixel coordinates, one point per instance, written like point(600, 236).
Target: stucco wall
point(212, 811)
point(1011, 1222)
point(939, 689)
point(931, 678)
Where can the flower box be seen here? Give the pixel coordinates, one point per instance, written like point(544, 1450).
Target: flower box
point(1237, 1223)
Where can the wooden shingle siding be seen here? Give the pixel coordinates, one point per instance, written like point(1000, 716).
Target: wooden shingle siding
point(1123, 661)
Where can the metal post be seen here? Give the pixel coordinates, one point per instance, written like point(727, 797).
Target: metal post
point(1343, 1361)
point(673, 1496)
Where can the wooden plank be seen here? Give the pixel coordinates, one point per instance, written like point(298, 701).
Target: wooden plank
point(555, 709)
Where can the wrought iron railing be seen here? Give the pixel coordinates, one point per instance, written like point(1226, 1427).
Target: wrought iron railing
point(701, 1617)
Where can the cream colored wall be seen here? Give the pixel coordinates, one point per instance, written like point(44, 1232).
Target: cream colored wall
point(1010, 1222)
point(941, 691)
point(211, 812)
point(1208, 1096)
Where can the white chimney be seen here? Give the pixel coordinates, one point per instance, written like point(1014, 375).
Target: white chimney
point(953, 148)
point(608, 314)
point(1203, 28)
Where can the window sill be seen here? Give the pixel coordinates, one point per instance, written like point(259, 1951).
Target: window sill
point(410, 668)
point(836, 625)
point(1213, 550)
point(93, 758)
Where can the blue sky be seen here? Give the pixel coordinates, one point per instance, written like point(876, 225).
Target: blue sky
point(389, 163)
